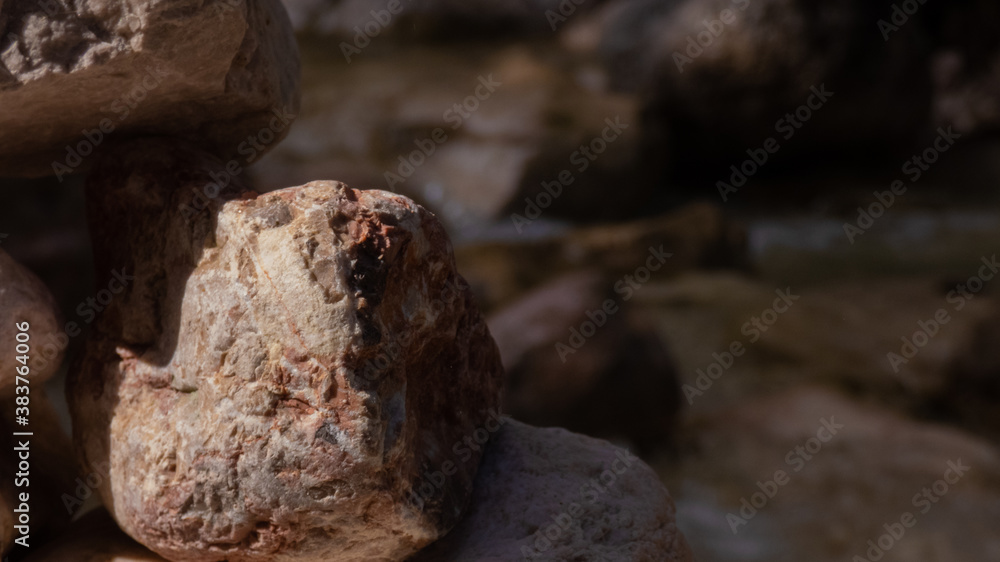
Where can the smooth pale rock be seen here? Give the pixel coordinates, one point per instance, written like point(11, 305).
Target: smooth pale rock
point(95, 538)
point(73, 74)
point(24, 298)
point(608, 504)
point(283, 371)
point(578, 356)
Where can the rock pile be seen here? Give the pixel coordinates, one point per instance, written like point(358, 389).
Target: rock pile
point(297, 375)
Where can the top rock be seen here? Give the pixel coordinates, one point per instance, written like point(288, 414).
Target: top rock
point(75, 74)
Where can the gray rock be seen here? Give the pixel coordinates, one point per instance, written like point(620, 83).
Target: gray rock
point(548, 494)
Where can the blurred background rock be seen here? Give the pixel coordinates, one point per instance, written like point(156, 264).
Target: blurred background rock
point(522, 90)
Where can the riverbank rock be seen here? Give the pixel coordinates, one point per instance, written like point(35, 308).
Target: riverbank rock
point(548, 494)
point(25, 299)
point(311, 352)
point(578, 356)
point(852, 471)
point(222, 73)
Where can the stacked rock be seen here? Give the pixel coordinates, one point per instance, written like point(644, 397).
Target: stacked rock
point(298, 375)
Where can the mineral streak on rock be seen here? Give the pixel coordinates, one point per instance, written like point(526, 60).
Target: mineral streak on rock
point(224, 73)
point(24, 298)
point(227, 388)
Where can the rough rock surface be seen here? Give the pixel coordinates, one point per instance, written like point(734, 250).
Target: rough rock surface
point(219, 71)
point(548, 494)
point(620, 383)
point(24, 298)
point(282, 372)
point(95, 538)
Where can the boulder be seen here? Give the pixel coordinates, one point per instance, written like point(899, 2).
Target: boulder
point(83, 74)
point(24, 299)
point(858, 481)
point(284, 371)
point(579, 356)
point(720, 77)
point(548, 494)
point(94, 538)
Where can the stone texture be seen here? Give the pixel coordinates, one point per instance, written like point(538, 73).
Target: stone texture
point(283, 370)
point(94, 538)
point(24, 298)
point(610, 504)
point(620, 383)
point(839, 496)
point(218, 71)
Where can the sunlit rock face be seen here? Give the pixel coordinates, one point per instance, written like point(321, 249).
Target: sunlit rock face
point(283, 370)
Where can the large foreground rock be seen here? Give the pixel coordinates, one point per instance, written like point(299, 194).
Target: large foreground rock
point(25, 299)
point(73, 74)
point(284, 370)
point(548, 494)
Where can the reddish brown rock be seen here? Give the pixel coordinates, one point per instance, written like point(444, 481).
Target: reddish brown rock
point(73, 75)
point(283, 371)
point(548, 494)
point(24, 299)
